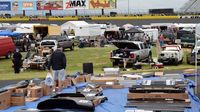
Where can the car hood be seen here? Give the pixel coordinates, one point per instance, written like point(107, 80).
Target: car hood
point(124, 44)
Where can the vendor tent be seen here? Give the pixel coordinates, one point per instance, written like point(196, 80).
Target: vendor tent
point(81, 28)
point(127, 26)
point(134, 30)
point(9, 33)
point(24, 30)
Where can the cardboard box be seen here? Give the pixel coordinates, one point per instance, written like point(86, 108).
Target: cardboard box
point(73, 81)
point(31, 99)
point(159, 74)
point(5, 100)
point(47, 90)
point(21, 90)
point(18, 100)
point(88, 78)
point(104, 79)
point(12, 89)
point(80, 78)
point(35, 92)
point(67, 82)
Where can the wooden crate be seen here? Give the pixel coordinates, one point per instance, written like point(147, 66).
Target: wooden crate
point(163, 96)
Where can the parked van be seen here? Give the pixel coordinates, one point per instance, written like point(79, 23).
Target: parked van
point(7, 47)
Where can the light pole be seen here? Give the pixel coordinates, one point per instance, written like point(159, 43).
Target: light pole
point(196, 68)
point(128, 7)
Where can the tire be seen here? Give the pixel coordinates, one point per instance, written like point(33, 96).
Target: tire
point(136, 60)
point(176, 62)
point(188, 59)
point(9, 55)
point(181, 61)
point(149, 59)
point(72, 48)
point(115, 63)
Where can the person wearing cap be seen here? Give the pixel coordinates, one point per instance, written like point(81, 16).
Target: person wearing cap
point(17, 61)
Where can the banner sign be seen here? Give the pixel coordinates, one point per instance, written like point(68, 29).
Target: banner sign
point(14, 5)
point(27, 5)
point(102, 4)
point(5, 6)
point(75, 4)
point(50, 5)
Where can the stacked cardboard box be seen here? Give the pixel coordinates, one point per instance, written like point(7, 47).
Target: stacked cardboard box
point(47, 90)
point(17, 99)
point(5, 100)
point(35, 92)
point(21, 90)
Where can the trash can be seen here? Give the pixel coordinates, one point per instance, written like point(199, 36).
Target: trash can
point(88, 68)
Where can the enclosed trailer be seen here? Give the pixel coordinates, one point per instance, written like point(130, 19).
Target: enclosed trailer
point(45, 30)
point(152, 33)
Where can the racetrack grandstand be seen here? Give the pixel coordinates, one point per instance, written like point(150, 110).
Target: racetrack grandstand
point(192, 6)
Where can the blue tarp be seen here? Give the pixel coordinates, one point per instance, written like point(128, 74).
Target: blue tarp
point(9, 33)
point(117, 99)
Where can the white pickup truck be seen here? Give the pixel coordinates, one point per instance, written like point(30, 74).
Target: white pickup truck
point(138, 51)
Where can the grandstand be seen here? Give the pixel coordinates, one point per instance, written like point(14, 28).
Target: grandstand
point(192, 6)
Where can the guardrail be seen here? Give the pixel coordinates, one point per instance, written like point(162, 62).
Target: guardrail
point(113, 17)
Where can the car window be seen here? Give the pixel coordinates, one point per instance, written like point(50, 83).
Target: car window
point(47, 43)
point(141, 45)
point(145, 46)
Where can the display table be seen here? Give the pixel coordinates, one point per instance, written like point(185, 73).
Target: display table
point(117, 99)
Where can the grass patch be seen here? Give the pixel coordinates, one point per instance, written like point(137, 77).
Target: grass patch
point(98, 56)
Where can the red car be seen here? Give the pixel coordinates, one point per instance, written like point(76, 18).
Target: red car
point(7, 47)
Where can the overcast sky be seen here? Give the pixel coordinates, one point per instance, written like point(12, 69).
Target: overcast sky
point(150, 4)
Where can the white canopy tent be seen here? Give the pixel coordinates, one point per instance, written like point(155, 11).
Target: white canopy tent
point(81, 29)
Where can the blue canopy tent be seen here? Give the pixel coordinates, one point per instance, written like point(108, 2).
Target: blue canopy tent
point(9, 33)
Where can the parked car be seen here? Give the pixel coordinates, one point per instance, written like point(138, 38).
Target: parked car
point(185, 38)
point(169, 37)
point(52, 44)
point(172, 54)
point(63, 41)
point(7, 47)
point(191, 56)
point(138, 52)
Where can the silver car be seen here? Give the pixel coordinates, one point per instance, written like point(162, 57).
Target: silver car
point(63, 41)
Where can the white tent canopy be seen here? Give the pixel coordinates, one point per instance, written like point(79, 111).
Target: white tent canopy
point(24, 30)
point(81, 28)
point(128, 26)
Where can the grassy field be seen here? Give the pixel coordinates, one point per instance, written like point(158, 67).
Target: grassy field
point(98, 56)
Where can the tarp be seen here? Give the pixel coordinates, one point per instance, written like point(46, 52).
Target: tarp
point(117, 99)
point(8, 33)
point(134, 30)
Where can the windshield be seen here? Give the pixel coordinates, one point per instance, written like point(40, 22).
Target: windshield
point(48, 43)
point(185, 35)
point(171, 49)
